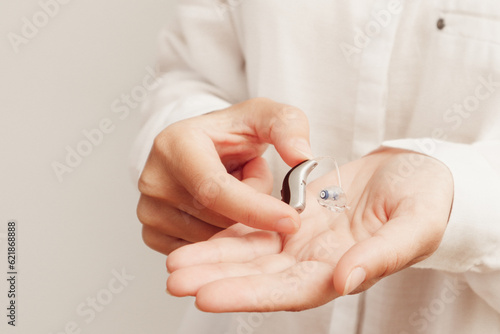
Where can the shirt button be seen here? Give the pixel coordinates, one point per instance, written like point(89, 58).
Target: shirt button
point(440, 24)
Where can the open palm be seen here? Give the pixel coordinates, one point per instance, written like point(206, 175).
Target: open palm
point(393, 222)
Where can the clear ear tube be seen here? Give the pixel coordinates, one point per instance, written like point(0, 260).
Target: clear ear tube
point(333, 197)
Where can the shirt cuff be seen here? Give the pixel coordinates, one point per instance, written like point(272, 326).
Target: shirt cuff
point(471, 239)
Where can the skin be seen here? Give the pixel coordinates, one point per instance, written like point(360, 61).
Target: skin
point(205, 174)
point(388, 227)
point(395, 219)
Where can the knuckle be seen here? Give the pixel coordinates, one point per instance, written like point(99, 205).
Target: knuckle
point(168, 138)
point(154, 170)
point(146, 184)
point(161, 142)
point(156, 175)
point(148, 237)
point(143, 211)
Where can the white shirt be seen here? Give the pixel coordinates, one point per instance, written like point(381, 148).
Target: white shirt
point(420, 75)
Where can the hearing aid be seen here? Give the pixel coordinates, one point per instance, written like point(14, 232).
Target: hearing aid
point(293, 191)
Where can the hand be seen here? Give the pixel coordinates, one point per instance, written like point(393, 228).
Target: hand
point(205, 173)
point(393, 222)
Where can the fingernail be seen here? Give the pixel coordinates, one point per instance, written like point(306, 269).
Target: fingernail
point(286, 225)
point(303, 147)
point(356, 277)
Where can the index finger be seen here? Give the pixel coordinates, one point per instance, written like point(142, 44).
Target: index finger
point(210, 184)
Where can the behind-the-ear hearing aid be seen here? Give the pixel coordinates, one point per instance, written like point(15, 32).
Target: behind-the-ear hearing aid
point(293, 191)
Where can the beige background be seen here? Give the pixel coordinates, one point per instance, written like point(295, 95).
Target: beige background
point(73, 234)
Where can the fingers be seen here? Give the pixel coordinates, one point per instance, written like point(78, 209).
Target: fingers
point(193, 159)
point(400, 243)
point(211, 185)
point(239, 249)
point(302, 286)
point(187, 218)
point(166, 228)
point(205, 179)
point(187, 281)
point(413, 212)
point(160, 242)
point(158, 182)
point(172, 221)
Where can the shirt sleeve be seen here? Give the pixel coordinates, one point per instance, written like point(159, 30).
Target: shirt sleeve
point(486, 286)
point(471, 243)
point(200, 69)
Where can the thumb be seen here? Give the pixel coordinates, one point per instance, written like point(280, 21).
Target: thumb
point(208, 181)
point(398, 244)
point(284, 126)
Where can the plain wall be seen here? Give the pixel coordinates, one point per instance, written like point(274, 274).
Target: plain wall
point(76, 233)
